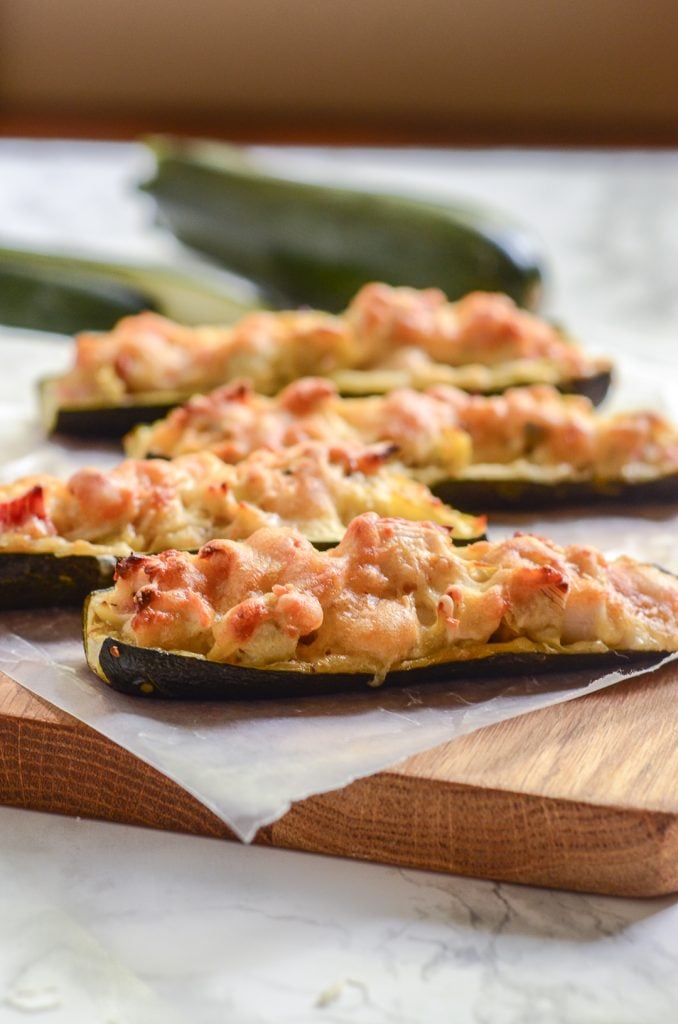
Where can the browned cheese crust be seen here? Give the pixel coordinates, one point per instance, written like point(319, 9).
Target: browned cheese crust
point(152, 504)
point(391, 336)
point(442, 433)
point(393, 593)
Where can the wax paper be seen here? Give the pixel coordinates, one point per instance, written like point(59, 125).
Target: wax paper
point(248, 761)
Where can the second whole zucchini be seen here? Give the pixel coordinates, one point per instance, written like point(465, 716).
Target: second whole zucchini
point(64, 293)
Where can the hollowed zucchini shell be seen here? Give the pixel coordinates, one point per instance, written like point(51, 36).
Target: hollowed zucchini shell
point(515, 495)
point(151, 672)
point(39, 580)
point(99, 419)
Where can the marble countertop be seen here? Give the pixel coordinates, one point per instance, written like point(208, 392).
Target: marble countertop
point(108, 924)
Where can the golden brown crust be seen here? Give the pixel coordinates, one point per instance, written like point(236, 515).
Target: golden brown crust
point(391, 592)
point(417, 334)
point(153, 504)
point(444, 432)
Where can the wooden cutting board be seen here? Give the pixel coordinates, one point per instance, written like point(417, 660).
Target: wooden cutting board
point(583, 795)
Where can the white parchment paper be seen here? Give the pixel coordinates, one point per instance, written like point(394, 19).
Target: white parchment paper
point(248, 761)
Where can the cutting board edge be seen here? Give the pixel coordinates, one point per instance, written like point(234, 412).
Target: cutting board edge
point(644, 864)
point(453, 837)
point(51, 719)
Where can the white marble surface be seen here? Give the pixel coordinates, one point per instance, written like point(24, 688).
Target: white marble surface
point(106, 924)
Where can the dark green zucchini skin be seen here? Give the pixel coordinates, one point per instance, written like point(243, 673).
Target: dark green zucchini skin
point(111, 422)
point(318, 245)
point(105, 422)
point(29, 580)
point(101, 421)
point(595, 387)
point(528, 495)
point(39, 300)
point(46, 291)
point(149, 672)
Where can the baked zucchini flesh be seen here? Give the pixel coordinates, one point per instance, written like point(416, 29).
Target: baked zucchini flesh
point(387, 337)
point(59, 539)
point(530, 447)
point(394, 603)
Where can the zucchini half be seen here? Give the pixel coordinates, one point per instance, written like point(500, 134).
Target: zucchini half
point(151, 672)
point(100, 419)
point(40, 579)
point(499, 494)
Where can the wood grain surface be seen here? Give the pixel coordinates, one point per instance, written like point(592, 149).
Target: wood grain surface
point(582, 796)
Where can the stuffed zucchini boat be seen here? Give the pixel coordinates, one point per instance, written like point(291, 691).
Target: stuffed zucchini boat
point(60, 539)
point(388, 337)
point(530, 447)
point(393, 603)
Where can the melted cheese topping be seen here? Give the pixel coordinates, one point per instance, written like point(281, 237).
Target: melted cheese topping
point(442, 433)
point(152, 505)
point(416, 335)
point(391, 594)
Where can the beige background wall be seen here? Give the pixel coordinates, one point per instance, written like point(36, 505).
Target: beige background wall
point(596, 64)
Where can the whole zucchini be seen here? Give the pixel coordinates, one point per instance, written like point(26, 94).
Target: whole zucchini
point(317, 245)
point(46, 291)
